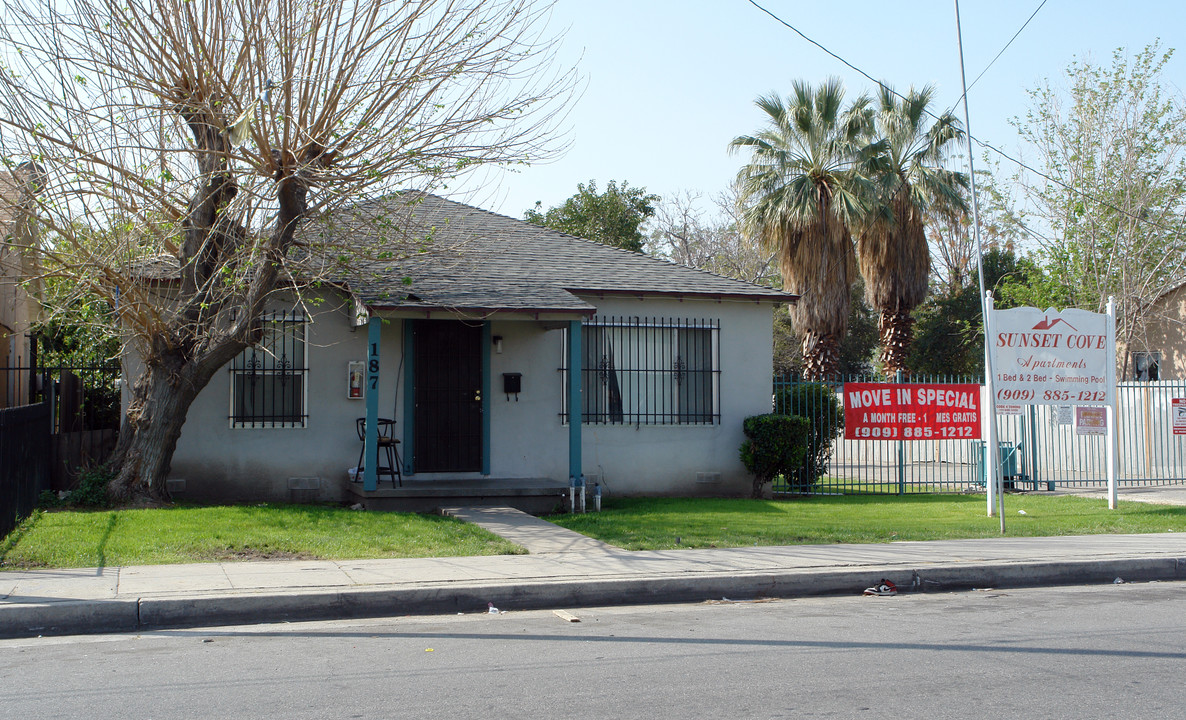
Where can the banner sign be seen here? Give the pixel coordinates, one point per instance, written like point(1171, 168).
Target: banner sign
point(890, 411)
point(1179, 410)
point(1050, 357)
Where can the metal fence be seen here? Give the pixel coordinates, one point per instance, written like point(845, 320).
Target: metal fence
point(24, 461)
point(1039, 449)
point(84, 407)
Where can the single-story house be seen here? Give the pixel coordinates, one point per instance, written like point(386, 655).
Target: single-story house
point(497, 351)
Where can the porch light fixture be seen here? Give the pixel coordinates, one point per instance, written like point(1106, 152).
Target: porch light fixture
point(498, 344)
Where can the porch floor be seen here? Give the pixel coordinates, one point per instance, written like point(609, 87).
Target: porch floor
point(533, 495)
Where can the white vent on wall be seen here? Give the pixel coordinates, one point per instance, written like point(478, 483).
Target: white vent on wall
point(708, 478)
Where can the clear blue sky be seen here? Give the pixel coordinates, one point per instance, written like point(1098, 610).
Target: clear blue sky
point(668, 84)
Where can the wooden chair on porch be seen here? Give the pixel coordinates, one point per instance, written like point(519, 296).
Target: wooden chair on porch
point(385, 449)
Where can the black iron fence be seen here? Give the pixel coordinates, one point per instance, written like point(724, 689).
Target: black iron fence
point(24, 461)
point(84, 412)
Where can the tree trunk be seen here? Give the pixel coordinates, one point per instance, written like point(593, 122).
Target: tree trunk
point(896, 330)
point(160, 401)
point(821, 356)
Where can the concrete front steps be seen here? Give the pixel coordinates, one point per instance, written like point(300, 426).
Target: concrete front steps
point(430, 493)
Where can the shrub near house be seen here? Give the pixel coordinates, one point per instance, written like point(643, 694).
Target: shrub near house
point(774, 445)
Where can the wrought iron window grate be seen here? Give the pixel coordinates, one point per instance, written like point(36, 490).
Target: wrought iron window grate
point(649, 371)
point(269, 379)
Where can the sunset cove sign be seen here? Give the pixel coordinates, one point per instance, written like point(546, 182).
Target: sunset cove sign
point(1050, 357)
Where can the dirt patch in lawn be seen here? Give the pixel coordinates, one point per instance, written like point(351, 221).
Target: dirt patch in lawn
point(248, 553)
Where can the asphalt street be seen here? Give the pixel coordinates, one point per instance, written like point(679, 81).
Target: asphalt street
point(1102, 651)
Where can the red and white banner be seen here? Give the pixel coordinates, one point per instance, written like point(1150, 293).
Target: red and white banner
point(890, 411)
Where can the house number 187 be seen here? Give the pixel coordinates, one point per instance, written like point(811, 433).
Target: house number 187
point(373, 366)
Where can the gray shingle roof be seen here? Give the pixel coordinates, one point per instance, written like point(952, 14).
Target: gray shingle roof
point(423, 252)
point(463, 257)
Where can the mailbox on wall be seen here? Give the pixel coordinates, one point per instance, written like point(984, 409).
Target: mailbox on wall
point(512, 384)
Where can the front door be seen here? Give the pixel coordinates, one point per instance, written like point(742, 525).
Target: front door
point(448, 396)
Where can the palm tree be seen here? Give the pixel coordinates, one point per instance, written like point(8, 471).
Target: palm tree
point(892, 246)
point(802, 190)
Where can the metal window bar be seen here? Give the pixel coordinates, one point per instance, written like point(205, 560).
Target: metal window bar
point(649, 371)
point(269, 379)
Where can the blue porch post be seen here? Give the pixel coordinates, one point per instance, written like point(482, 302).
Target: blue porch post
point(370, 479)
point(575, 478)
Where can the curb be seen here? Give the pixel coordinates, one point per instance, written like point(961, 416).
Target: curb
point(119, 615)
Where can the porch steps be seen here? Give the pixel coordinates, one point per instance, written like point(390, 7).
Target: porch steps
point(531, 495)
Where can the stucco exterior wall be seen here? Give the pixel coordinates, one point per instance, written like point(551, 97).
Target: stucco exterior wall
point(684, 459)
point(1166, 333)
point(528, 435)
point(529, 438)
point(19, 272)
point(218, 462)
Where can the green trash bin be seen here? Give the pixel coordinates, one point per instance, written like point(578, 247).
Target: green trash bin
point(1009, 452)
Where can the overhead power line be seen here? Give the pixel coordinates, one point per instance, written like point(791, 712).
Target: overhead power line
point(981, 143)
point(1002, 52)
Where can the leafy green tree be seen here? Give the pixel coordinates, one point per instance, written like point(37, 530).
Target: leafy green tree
point(892, 247)
point(803, 190)
point(614, 217)
point(950, 328)
point(1109, 211)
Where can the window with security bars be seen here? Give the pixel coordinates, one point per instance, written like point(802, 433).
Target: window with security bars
point(649, 371)
point(268, 379)
point(1146, 366)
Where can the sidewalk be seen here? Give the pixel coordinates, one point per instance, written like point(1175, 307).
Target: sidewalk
point(565, 570)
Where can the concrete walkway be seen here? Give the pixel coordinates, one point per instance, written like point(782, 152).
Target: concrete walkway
point(539, 537)
point(564, 570)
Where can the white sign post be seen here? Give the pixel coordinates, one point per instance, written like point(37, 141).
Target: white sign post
point(1056, 357)
point(994, 483)
point(1111, 439)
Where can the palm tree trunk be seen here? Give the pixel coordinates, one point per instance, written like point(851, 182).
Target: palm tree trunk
point(821, 356)
point(896, 330)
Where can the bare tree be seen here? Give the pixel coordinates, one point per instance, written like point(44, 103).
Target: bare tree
point(687, 234)
point(1109, 211)
point(210, 131)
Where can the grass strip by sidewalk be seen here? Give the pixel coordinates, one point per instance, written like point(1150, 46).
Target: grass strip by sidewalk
point(183, 534)
point(666, 523)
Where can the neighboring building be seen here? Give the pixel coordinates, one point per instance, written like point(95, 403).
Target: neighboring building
point(18, 272)
point(474, 340)
point(1161, 353)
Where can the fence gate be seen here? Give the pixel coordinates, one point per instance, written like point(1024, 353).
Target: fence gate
point(84, 407)
point(24, 461)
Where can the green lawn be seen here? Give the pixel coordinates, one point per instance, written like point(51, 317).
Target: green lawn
point(204, 534)
point(245, 532)
point(664, 523)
